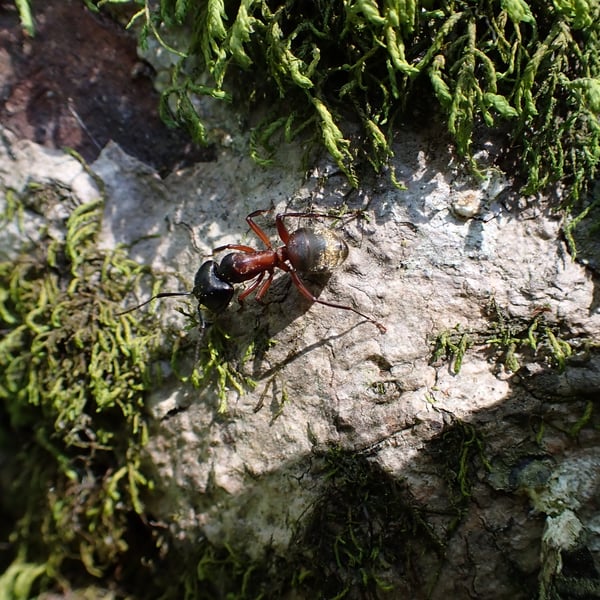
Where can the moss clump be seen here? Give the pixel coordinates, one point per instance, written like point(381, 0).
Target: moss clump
point(508, 338)
point(459, 452)
point(218, 362)
point(72, 381)
point(531, 68)
point(364, 534)
point(74, 374)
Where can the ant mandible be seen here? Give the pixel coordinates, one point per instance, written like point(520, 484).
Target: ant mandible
point(305, 250)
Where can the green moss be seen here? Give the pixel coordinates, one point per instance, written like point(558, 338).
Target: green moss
point(25, 15)
point(458, 452)
point(451, 345)
point(363, 533)
point(531, 69)
point(73, 376)
point(508, 338)
point(219, 363)
point(74, 373)
point(590, 213)
point(541, 340)
point(224, 573)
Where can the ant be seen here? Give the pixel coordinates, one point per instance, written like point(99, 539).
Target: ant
point(305, 250)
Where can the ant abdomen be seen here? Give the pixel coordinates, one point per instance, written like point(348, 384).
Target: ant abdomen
point(316, 250)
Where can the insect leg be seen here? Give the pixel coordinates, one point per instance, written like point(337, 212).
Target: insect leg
point(308, 294)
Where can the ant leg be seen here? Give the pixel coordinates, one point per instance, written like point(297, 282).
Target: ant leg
point(257, 230)
point(307, 294)
point(250, 289)
point(240, 247)
point(265, 286)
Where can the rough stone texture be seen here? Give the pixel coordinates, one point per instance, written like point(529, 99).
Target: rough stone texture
point(79, 83)
point(429, 259)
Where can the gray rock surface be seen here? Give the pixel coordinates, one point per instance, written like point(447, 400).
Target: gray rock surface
point(430, 258)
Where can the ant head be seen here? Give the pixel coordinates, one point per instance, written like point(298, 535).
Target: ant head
point(210, 290)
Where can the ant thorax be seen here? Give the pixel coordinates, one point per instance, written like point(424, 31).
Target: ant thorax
point(316, 250)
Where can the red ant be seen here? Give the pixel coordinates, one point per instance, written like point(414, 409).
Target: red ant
point(305, 250)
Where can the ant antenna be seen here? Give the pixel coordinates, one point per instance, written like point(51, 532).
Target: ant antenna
point(161, 295)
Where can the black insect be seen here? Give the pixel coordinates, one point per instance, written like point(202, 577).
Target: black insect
point(305, 250)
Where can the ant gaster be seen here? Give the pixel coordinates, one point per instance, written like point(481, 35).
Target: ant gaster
point(305, 250)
